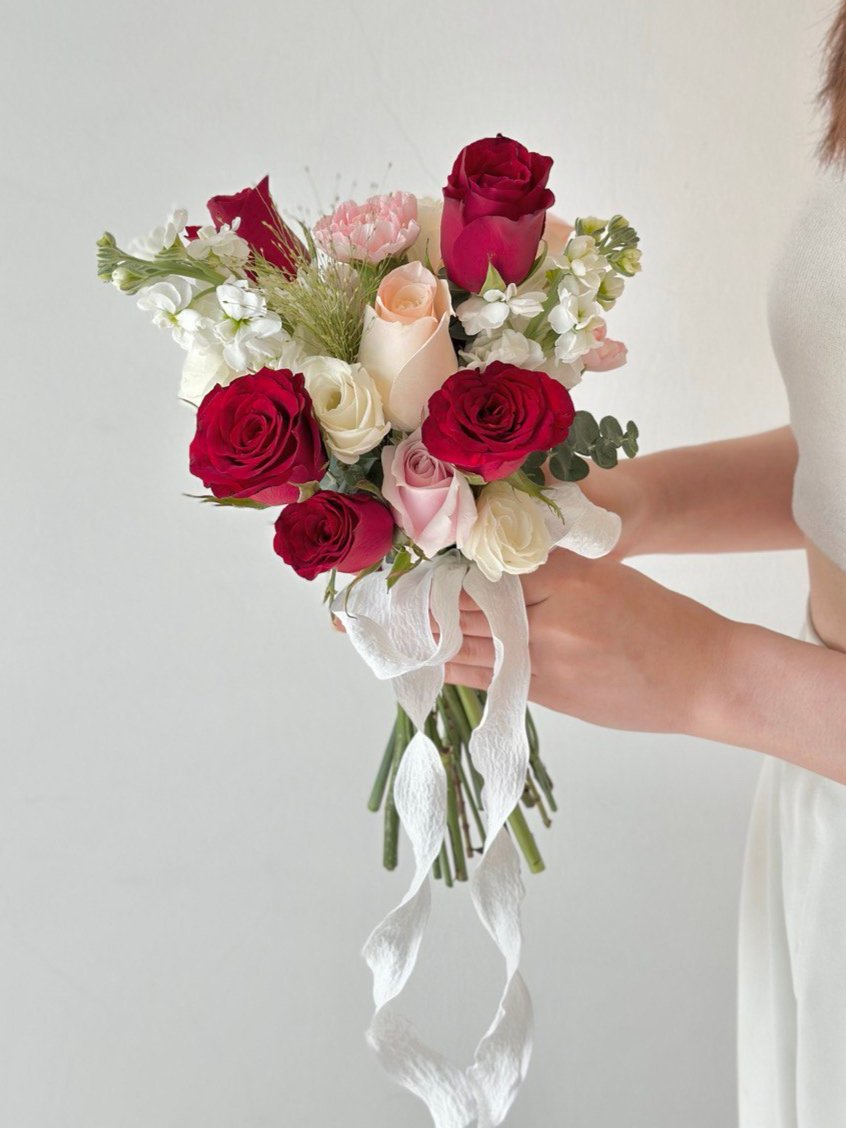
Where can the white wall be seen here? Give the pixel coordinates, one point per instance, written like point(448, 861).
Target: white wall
point(187, 868)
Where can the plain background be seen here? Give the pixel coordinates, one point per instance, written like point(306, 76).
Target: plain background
point(187, 867)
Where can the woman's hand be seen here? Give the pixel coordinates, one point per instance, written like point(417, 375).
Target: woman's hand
point(610, 646)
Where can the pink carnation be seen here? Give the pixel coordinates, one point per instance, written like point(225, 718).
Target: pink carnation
point(375, 230)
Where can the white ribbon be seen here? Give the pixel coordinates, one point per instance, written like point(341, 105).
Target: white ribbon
point(391, 629)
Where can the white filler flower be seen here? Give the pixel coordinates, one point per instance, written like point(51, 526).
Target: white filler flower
point(160, 238)
point(347, 405)
point(510, 533)
point(489, 311)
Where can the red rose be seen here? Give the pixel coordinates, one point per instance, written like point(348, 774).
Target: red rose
point(258, 438)
point(261, 225)
point(333, 530)
point(489, 422)
point(495, 204)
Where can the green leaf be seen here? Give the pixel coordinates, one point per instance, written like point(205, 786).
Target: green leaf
point(583, 433)
point(229, 502)
point(402, 564)
point(493, 280)
point(609, 428)
point(566, 466)
point(604, 453)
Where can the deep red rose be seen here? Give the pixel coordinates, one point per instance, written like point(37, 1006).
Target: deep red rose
point(489, 422)
point(333, 530)
point(258, 438)
point(495, 204)
point(261, 225)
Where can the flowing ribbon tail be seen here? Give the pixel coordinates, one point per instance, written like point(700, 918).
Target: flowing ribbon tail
point(392, 631)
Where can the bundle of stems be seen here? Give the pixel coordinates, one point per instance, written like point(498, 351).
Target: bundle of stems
point(450, 726)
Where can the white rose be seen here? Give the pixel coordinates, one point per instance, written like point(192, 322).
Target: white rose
point(510, 533)
point(347, 405)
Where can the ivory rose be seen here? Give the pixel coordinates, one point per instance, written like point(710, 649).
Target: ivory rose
point(347, 405)
point(510, 533)
point(426, 248)
point(432, 502)
point(406, 346)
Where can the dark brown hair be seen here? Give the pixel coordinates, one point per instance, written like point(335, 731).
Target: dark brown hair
point(833, 93)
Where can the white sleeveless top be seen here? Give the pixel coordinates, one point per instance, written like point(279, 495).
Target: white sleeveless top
point(807, 314)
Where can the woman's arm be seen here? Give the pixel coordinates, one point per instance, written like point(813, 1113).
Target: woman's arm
point(613, 647)
point(728, 496)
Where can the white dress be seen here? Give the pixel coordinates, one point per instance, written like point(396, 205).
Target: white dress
point(792, 961)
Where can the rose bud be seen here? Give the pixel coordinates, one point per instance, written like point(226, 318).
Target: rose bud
point(495, 204)
point(333, 530)
point(258, 437)
point(261, 225)
point(489, 422)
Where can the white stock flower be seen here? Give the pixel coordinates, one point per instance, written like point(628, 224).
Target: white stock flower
point(230, 333)
point(160, 238)
point(169, 302)
point(583, 262)
point(510, 346)
point(226, 244)
point(490, 310)
point(574, 320)
point(513, 347)
point(347, 406)
point(510, 533)
point(610, 288)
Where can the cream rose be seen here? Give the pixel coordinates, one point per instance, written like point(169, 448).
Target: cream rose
point(426, 248)
point(510, 533)
point(432, 501)
point(347, 405)
point(406, 346)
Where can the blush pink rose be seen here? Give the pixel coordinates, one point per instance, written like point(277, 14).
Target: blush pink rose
point(556, 234)
point(432, 502)
point(380, 228)
point(610, 354)
point(406, 346)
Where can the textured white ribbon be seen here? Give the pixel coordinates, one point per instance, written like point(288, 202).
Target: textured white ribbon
point(391, 629)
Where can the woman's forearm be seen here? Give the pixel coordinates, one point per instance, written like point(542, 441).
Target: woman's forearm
point(728, 496)
point(780, 696)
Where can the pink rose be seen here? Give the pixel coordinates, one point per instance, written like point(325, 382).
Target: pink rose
point(432, 503)
point(406, 346)
point(556, 234)
point(610, 354)
point(381, 227)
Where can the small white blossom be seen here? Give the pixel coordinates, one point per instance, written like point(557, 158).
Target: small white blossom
point(160, 238)
point(226, 244)
point(512, 347)
point(610, 288)
point(169, 302)
point(489, 311)
point(574, 319)
point(583, 263)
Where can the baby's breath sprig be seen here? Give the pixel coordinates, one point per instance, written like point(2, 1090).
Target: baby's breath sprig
point(324, 302)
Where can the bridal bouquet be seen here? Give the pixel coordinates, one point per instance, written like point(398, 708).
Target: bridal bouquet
point(394, 383)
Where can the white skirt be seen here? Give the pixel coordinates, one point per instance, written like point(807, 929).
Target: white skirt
point(792, 959)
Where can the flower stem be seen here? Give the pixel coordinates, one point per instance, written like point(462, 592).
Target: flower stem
point(377, 793)
point(390, 845)
point(526, 841)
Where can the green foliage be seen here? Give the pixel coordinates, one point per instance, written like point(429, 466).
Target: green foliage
point(228, 502)
point(599, 442)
